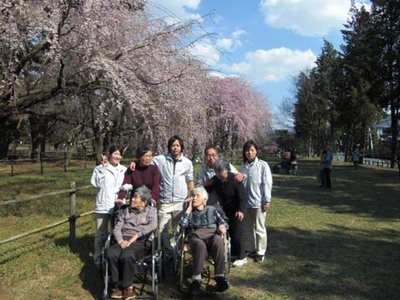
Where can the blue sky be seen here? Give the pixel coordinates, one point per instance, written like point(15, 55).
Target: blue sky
point(266, 42)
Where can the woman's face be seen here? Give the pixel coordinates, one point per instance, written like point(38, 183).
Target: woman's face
point(115, 158)
point(251, 153)
point(198, 200)
point(145, 159)
point(136, 202)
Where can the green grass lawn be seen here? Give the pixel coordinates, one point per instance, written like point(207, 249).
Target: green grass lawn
point(322, 244)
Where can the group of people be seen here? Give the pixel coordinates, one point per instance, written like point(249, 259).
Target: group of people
point(224, 199)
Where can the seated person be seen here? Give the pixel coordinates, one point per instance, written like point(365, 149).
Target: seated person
point(134, 225)
point(204, 226)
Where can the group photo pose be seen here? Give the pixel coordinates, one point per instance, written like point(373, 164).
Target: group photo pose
point(157, 192)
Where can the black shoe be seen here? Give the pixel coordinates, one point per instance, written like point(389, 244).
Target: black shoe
point(222, 283)
point(194, 287)
point(251, 254)
point(259, 258)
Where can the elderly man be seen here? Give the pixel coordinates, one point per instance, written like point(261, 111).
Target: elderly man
point(204, 226)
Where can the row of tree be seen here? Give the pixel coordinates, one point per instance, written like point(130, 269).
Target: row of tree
point(340, 100)
point(102, 72)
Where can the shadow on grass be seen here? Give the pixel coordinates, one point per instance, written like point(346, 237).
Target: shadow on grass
point(365, 191)
point(336, 263)
point(89, 274)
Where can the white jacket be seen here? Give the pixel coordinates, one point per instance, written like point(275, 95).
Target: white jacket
point(107, 180)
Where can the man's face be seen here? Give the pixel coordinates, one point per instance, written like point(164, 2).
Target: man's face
point(175, 149)
point(221, 174)
point(211, 156)
point(198, 201)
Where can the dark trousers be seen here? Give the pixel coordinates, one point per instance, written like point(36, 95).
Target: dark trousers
point(235, 233)
point(122, 262)
point(326, 178)
point(202, 243)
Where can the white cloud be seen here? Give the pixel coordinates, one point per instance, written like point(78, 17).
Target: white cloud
point(175, 10)
point(306, 17)
point(273, 65)
point(205, 52)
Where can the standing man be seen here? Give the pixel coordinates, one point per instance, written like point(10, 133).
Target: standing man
point(258, 187)
point(176, 184)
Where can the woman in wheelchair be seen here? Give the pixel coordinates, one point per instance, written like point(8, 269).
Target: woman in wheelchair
point(204, 226)
point(134, 224)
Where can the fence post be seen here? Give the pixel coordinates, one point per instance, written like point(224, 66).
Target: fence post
point(72, 217)
point(12, 166)
point(41, 161)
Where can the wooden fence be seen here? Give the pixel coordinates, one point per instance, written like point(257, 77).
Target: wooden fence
point(73, 216)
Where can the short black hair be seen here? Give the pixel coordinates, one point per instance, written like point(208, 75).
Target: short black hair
point(141, 150)
point(174, 138)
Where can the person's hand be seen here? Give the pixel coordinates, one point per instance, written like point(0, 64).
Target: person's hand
point(104, 160)
point(119, 201)
point(265, 207)
point(222, 229)
point(189, 202)
point(239, 215)
point(123, 244)
point(132, 166)
point(239, 177)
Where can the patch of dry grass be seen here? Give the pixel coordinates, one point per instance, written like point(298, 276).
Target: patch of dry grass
point(338, 244)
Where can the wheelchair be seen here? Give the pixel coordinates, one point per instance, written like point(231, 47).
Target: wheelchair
point(183, 259)
point(148, 267)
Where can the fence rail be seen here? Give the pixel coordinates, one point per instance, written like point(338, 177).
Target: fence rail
point(72, 213)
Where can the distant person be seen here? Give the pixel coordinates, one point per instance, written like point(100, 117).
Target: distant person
point(356, 156)
point(204, 226)
point(144, 173)
point(293, 161)
point(107, 179)
point(326, 167)
point(258, 187)
point(134, 225)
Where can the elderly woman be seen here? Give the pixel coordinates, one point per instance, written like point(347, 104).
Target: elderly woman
point(204, 226)
point(135, 223)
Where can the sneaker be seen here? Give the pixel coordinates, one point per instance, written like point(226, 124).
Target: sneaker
point(240, 262)
point(194, 287)
point(259, 258)
point(116, 293)
point(128, 294)
point(222, 283)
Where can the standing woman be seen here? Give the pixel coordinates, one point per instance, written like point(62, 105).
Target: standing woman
point(107, 179)
point(258, 187)
point(144, 173)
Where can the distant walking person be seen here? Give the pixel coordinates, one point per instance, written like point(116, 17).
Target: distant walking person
point(258, 187)
point(107, 179)
point(326, 167)
point(356, 156)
